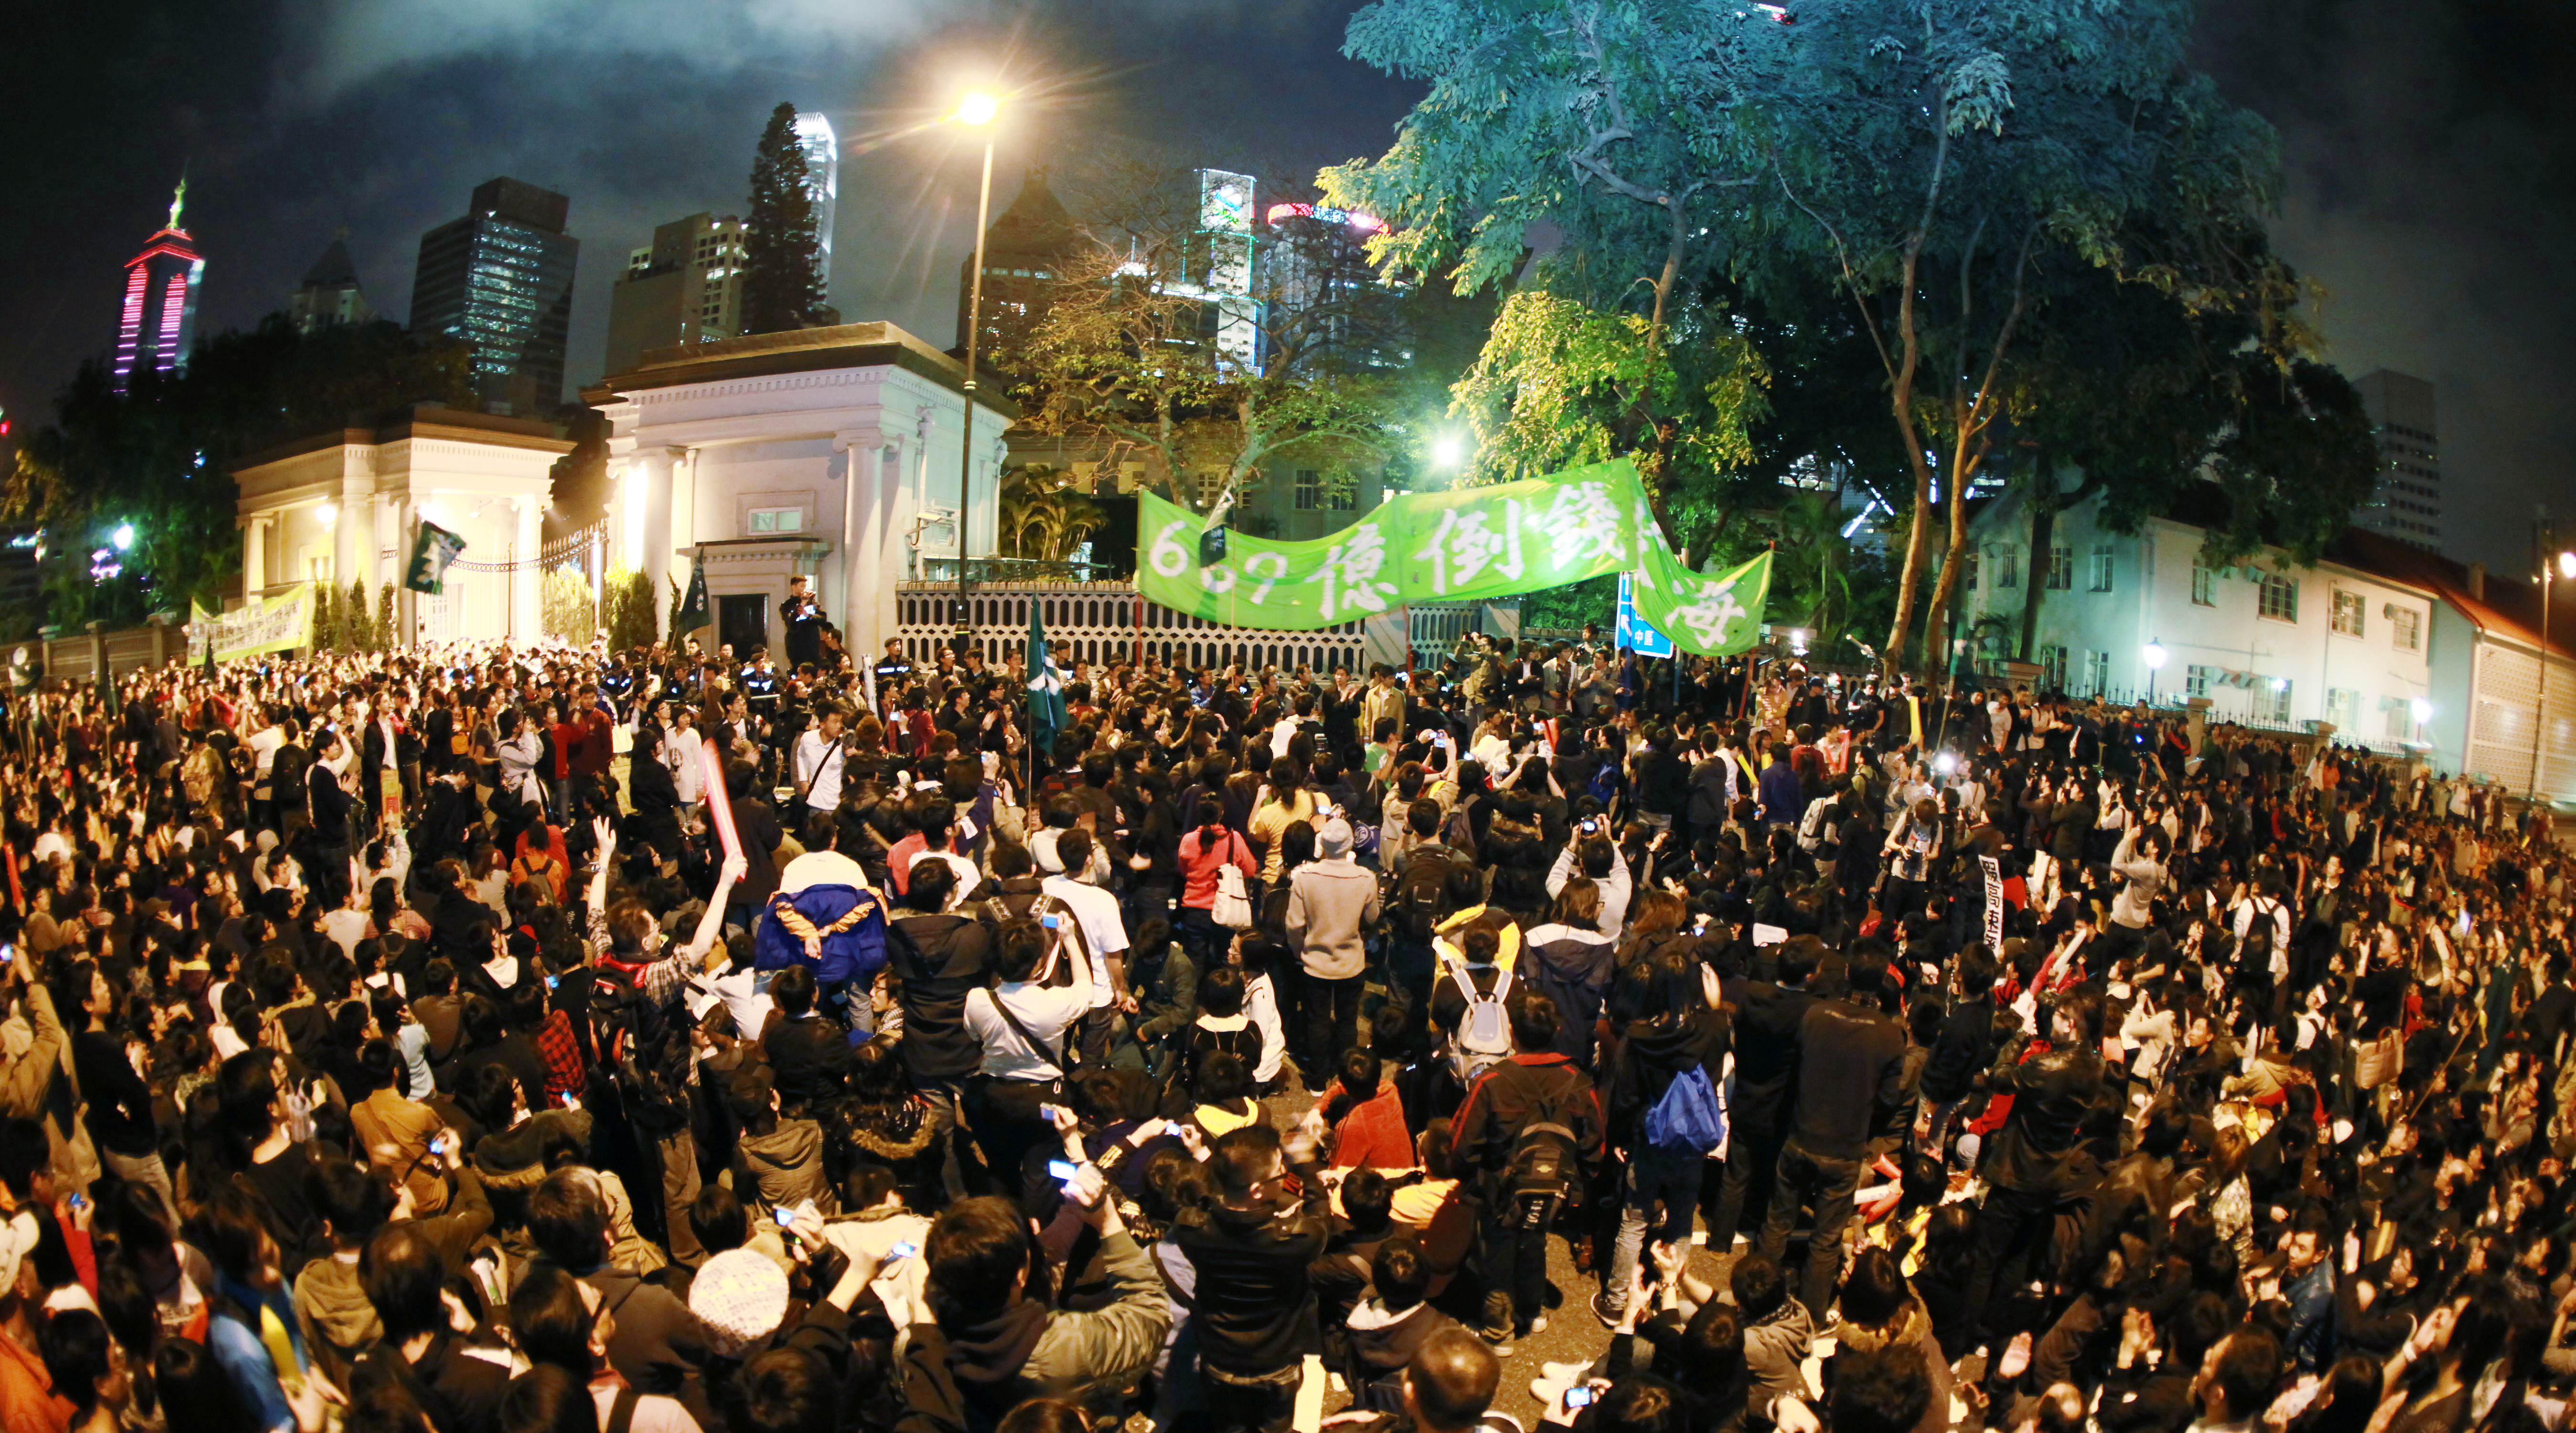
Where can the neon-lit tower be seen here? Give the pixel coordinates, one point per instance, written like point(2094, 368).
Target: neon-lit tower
point(160, 312)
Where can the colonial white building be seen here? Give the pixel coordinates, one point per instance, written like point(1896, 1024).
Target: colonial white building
point(830, 452)
point(344, 506)
point(2268, 641)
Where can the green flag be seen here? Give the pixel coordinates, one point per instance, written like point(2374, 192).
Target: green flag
point(693, 604)
point(1047, 714)
point(1707, 614)
point(431, 551)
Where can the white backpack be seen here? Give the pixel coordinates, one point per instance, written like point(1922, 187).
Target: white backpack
point(1484, 1036)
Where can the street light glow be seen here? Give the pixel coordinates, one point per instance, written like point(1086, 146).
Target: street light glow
point(2154, 654)
point(1446, 452)
point(123, 537)
point(2567, 565)
point(978, 107)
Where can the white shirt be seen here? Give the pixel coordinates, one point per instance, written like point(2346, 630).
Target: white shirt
point(1046, 1012)
point(967, 876)
point(263, 745)
point(819, 761)
point(1103, 933)
point(680, 754)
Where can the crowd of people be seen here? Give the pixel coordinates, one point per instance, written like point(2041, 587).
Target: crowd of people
point(482, 1040)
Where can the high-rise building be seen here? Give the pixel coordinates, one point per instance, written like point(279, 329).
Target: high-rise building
point(330, 296)
point(1323, 304)
point(500, 279)
point(159, 317)
point(2407, 504)
point(684, 287)
point(1025, 253)
point(822, 182)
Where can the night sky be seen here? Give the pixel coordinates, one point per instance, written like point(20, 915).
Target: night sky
point(2427, 149)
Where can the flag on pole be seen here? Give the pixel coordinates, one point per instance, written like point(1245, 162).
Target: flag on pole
point(693, 603)
point(431, 551)
point(1047, 714)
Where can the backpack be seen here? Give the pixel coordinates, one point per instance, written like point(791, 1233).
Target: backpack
point(1413, 902)
point(1689, 1118)
point(1544, 1168)
point(1484, 1035)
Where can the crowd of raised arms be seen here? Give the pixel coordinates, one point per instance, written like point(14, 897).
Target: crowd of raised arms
point(492, 1041)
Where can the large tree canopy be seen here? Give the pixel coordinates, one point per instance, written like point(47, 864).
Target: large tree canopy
point(1945, 173)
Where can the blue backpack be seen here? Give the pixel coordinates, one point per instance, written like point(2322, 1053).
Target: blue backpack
point(1690, 1118)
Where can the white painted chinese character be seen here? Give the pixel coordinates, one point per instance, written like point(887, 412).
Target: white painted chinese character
point(1350, 573)
point(1581, 524)
point(1709, 616)
point(1465, 542)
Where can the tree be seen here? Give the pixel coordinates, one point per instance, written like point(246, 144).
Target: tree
point(1611, 123)
point(328, 634)
point(157, 456)
point(782, 279)
point(1149, 356)
point(1042, 517)
point(1937, 165)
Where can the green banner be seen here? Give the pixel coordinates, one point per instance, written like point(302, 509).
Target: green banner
point(1707, 614)
point(1468, 544)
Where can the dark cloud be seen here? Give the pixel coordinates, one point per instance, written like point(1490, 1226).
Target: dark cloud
point(2426, 147)
point(2429, 150)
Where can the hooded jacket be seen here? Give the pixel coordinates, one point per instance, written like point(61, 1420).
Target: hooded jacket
point(1255, 1293)
point(786, 1166)
point(1382, 1342)
point(1571, 967)
point(338, 1322)
point(965, 1382)
point(1910, 1333)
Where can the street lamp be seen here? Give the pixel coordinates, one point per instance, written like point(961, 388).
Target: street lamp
point(123, 537)
point(976, 110)
point(2153, 654)
point(2553, 569)
point(1445, 452)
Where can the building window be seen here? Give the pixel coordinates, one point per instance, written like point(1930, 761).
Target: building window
point(2061, 569)
point(1968, 571)
point(2280, 598)
point(2272, 699)
point(1310, 490)
point(2343, 708)
point(2101, 567)
point(2397, 714)
point(777, 520)
point(2097, 672)
point(1345, 497)
point(2406, 629)
point(2195, 681)
point(2347, 612)
point(2052, 668)
point(2007, 567)
point(2204, 584)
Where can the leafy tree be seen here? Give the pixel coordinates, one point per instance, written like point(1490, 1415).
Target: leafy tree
point(783, 279)
point(1939, 167)
point(1561, 383)
point(364, 635)
point(1042, 517)
point(385, 629)
point(157, 456)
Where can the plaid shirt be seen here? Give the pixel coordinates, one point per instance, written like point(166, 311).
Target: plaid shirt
point(562, 1054)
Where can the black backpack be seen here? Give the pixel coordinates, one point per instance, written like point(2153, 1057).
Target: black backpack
point(1413, 902)
point(1545, 1161)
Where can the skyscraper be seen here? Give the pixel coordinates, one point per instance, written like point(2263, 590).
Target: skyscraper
point(501, 280)
point(330, 296)
point(823, 182)
point(1025, 253)
point(160, 311)
point(684, 287)
point(2407, 504)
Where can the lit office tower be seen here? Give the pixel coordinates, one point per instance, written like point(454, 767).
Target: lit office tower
point(684, 287)
point(2407, 504)
point(822, 181)
point(501, 280)
point(160, 312)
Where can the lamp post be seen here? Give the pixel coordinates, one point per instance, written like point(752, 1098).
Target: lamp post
point(977, 111)
point(2153, 654)
point(2552, 569)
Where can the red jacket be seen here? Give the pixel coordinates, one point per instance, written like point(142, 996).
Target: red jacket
point(1373, 1135)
